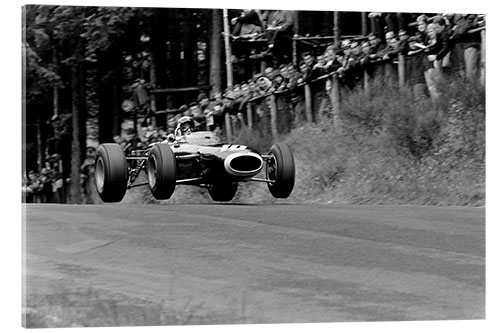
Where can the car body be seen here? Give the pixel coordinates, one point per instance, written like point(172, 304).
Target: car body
point(198, 159)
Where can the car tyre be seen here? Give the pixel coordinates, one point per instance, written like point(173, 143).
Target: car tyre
point(111, 172)
point(162, 171)
point(280, 169)
point(223, 191)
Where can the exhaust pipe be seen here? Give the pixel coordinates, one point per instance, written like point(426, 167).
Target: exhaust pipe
point(243, 164)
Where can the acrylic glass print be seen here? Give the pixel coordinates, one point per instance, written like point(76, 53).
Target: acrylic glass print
point(199, 166)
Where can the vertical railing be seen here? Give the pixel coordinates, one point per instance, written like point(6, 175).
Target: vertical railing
point(308, 103)
point(274, 116)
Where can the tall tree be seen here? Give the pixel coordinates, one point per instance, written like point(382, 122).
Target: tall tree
point(215, 47)
point(69, 26)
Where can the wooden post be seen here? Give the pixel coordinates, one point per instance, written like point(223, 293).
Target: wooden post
point(389, 73)
point(274, 116)
point(336, 29)
point(401, 70)
point(249, 115)
point(482, 67)
point(229, 131)
point(308, 103)
point(364, 25)
point(335, 100)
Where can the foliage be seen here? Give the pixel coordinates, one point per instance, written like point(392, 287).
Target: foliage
point(405, 151)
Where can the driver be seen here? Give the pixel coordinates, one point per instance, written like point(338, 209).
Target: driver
point(185, 125)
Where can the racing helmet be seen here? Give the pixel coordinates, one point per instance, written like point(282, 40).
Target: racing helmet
point(185, 125)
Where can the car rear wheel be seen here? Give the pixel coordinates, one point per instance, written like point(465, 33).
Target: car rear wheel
point(281, 171)
point(162, 171)
point(223, 192)
point(111, 172)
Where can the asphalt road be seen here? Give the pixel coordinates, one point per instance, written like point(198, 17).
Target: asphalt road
point(108, 265)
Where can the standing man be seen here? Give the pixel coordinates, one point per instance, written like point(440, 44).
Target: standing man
point(280, 27)
point(466, 44)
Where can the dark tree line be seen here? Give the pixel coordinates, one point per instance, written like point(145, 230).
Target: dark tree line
point(79, 61)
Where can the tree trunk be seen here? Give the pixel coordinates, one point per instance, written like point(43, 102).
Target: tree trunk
point(78, 115)
point(104, 91)
point(336, 27)
point(189, 46)
point(161, 27)
point(227, 45)
point(109, 74)
point(215, 54)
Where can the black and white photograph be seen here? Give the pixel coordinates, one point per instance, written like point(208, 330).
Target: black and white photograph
point(213, 166)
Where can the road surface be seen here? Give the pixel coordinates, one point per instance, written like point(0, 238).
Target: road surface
point(113, 265)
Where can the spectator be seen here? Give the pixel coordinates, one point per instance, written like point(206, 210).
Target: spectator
point(197, 114)
point(398, 21)
point(141, 99)
point(366, 58)
point(331, 60)
point(279, 82)
point(391, 50)
point(33, 188)
point(279, 32)
point(376, 46)
point(421, 34)
point(377, 25)
point(293, 77)
point(433, 69)
point(46, 185)
point(264, 85)
point(441, 46)
point(403, 46)
point(415, 68)
point(353, 72)
point(24, 189)
point(345, 46)
point(466, 44)
point(355, 50)
point(248, 24)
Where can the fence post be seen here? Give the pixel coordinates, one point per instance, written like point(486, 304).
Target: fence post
point(483, 58)
point(335, 100)
point(388, 75)
point(274, 116)
point(249, 115)
point(308, 103)
point(229, 132)
point(401, 70)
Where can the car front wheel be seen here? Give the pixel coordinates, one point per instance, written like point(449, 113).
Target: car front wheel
point(162, 171)
point(111, 172)
point(281, 171)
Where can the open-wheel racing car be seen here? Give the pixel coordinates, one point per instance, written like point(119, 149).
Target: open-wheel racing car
point(199, 159)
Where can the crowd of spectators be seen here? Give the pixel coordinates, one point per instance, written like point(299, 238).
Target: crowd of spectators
point(440, 43)
point(427, 41)
point(45, 186)
point(49, 186)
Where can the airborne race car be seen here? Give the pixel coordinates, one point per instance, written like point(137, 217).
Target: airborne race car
point(199, 159)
